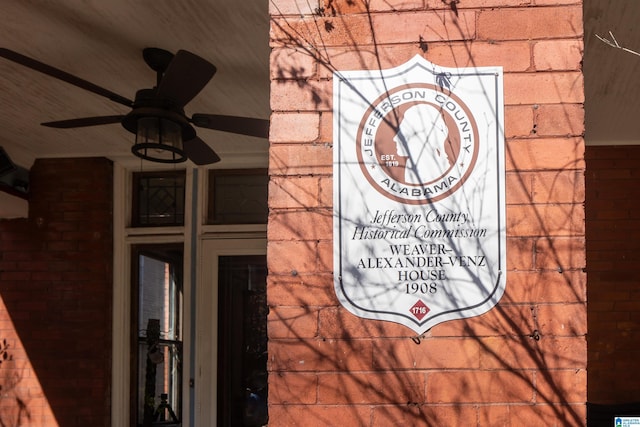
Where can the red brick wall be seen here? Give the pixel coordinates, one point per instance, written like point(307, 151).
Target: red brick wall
point(524, 362)
point(613, 256)
point(55, 286)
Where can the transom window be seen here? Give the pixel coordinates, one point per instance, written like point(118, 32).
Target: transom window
point(238, 196)
point(158, 199)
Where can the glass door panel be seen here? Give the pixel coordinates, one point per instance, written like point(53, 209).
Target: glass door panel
point(158, 298)
point(242, 341)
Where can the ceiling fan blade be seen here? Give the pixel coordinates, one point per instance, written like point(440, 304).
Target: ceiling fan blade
point(186, 75)
point(199, 152)
point(62, 75)
point(84, 122)
point(234, 124)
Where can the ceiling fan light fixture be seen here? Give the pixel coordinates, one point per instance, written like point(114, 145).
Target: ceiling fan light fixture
point(159, 139)
point(164, 133)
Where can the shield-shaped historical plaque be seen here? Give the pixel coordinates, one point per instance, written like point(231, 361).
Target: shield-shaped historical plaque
point(419, 192)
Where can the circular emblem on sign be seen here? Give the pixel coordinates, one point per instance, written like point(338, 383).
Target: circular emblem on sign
point(417, 144)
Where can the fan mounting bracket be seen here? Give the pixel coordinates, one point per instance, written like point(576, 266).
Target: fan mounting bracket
point(157, 59)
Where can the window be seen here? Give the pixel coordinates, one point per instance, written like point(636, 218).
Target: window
point(157, 329)
point(238, 196)
point(158, 199)
point(173, 261)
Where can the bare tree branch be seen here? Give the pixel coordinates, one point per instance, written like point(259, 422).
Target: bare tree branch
point(614, 43)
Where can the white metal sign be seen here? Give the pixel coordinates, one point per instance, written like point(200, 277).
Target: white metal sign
point(419, 197)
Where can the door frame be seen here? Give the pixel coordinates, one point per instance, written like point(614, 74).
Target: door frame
point(206, 319)
point(200, 242)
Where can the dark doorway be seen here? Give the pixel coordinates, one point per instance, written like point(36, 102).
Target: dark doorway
point(242, 341)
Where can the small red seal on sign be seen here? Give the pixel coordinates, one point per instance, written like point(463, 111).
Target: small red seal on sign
point(419, 309)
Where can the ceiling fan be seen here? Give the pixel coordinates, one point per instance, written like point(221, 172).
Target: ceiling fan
point(164, 133)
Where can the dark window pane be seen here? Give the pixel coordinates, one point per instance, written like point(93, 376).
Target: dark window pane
point(158, 199)
point(238, 196)
point(242, 341)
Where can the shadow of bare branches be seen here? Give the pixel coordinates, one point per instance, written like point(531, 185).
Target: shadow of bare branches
point(15, 406)
point(523, 362)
